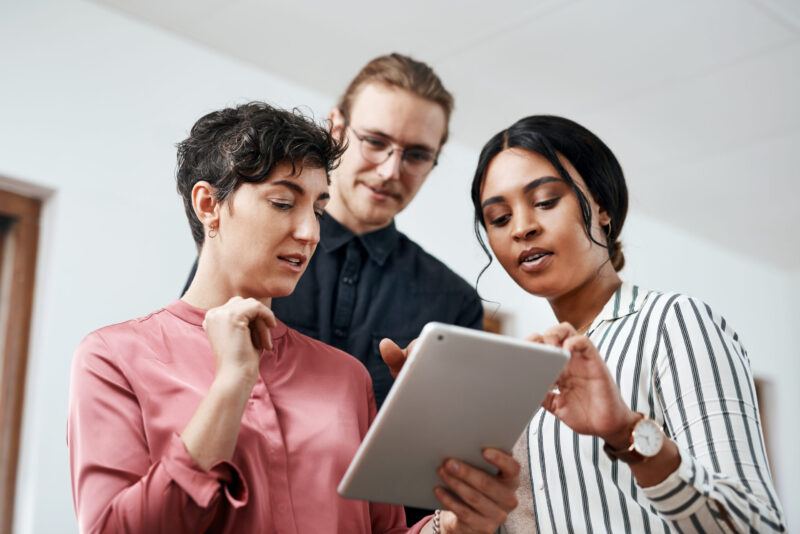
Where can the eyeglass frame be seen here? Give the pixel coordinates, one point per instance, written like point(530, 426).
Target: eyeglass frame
point(394, 146)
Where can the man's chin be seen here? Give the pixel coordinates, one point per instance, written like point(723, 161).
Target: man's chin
point(380, 213)
point(378, 220)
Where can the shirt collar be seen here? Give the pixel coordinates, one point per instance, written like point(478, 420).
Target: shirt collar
point(192, 315)
point(378, 244)
point(627, 299)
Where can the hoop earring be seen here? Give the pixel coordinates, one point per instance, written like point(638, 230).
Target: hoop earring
point(212, 230)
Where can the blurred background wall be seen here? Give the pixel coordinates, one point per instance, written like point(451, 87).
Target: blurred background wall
point(93, 100)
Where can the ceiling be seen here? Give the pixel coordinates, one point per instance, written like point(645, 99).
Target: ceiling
point(700, 100)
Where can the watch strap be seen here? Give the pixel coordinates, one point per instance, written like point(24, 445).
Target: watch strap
point(630, 455)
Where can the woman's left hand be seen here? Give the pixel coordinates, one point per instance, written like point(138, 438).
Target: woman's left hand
point(587, 399)
point(477, 501)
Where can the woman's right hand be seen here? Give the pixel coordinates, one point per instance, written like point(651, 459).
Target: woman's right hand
point(477, 502)
point(238, 332)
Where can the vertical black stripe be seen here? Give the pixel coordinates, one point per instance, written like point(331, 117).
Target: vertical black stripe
point(609, 351)
point(698, 386)
point(720, 394)
point(542, 467)
point(684, 423)
point(756, 462)
point(654, 359)
point(603, 339)
point(623, 354)
point(530, 470)
point(635, 390)
point(576, 451)
point(562, 478)
point(600, 486)
point(615, 466)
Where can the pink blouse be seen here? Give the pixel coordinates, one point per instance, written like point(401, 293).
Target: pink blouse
point(134, 387)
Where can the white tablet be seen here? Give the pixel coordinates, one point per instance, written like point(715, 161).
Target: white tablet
point(460, 391)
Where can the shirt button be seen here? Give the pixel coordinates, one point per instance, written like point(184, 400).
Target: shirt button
point(347, 280)
point(339, 332)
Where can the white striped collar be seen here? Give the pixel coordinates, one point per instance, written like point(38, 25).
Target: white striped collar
point(627, 299)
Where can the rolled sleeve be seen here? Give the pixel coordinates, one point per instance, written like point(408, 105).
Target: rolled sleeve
point(677, 496)
point(117, 485)
point(203, 487)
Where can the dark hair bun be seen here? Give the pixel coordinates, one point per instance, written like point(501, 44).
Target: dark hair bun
point(616, 255)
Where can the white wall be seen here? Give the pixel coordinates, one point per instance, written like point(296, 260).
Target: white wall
point(91, 105)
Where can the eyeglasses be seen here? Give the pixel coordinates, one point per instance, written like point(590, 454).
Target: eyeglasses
point(413, 161)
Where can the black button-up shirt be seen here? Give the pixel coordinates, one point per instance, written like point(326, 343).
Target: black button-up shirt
point(358, 289)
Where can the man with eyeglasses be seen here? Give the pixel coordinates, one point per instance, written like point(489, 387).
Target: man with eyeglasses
point(367, 281)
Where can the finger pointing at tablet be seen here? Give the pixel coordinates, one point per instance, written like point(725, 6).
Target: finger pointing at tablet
point(393, 355)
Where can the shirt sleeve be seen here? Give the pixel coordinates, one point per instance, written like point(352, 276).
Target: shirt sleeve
point(116, 485)
point(704, 384)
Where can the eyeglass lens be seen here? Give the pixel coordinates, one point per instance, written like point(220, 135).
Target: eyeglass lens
point(413, 161)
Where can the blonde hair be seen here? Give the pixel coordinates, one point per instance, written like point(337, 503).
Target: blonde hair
point(397, 70)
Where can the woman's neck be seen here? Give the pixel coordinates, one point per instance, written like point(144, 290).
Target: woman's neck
point(212, 287)
point(580, 306)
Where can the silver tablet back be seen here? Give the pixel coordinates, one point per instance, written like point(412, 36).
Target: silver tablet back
point(460, 391)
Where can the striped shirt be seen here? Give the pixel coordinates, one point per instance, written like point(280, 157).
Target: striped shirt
point(680, 363)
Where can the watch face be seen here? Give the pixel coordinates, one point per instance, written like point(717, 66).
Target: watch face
point(647, 438)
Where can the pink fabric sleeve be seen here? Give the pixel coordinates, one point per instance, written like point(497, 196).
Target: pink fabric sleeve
point(116, 486)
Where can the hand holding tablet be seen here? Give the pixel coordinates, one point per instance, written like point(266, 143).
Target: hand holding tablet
point(459, 393)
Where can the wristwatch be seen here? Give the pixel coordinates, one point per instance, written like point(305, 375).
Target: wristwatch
point(646, 441)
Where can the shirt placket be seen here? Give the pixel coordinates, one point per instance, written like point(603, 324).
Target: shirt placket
point(346, 293)
point(263, 410)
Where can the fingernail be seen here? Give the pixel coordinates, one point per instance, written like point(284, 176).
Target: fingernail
point(453, 466)
point(490, 454)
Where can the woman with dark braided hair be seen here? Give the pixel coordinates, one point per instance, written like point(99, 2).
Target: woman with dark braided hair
point(653, 425)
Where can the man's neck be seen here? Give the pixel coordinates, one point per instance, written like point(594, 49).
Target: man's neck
point(344, 217)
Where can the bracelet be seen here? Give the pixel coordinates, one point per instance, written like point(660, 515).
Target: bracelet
point(436, 521)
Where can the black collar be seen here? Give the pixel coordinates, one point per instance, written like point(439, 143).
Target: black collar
point(378, 244)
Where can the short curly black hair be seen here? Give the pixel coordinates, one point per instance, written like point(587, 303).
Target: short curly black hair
point(229, 147)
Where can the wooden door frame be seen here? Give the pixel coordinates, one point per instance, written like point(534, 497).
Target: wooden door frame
point(24, 231)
